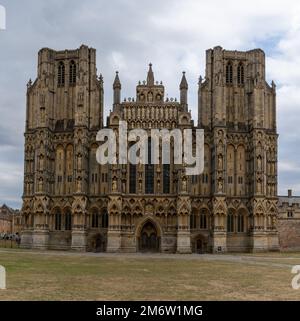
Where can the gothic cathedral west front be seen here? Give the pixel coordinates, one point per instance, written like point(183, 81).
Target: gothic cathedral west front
point(70, 202)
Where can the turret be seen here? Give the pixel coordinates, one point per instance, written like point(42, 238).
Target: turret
point(150, 76)
point(117, 89)
point(183, 91)
point(199, 102)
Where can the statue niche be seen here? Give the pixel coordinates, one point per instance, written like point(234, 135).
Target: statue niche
point(150, 97)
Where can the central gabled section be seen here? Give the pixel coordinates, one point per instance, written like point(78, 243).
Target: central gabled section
point(150, 91)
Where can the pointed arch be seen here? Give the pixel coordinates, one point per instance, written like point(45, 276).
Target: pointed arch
point(230, 219)
point(104, 218)
point(72, 73)
point(57, 219)
point(229, 72)
point(242, 220)
point(144, 221)
point(240, 74)
point(61, 74)
point(68, 218)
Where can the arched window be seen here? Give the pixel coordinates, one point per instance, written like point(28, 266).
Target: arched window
point(94, 170)
point(61, 74)
point(230, 222)
point(72, 74)
point(58, 220)
point(132, 178)
point(203, 219)
point(193, 222)
point(240, 74)
point(104, 219)
point(69, 169)
point(68, 220)
point(229, 73)
point(194, 179)
point(205, 178)
point(166, 178)
point(59, 170)
point(95, 219)
point(240, 223)
point(149, 172)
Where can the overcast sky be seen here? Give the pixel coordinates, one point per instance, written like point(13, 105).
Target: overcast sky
point(128, 34)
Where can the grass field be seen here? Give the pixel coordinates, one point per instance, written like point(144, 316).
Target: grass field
point(73, 276)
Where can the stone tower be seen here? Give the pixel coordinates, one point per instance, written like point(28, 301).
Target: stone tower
point(64, 111)
point(238, 111)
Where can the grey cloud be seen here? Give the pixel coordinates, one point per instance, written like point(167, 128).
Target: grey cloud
point(171, 34)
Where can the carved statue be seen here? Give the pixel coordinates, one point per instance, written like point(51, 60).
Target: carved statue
point(79, 161)
point(220, 162)
point(79, 184)
point(218, 78)
point(259, 187)
point(184, 184)
point(220, 185)
point(150, 97)
point(41, 162)
point(259, 163)
point(114, 184)
point(40, 185)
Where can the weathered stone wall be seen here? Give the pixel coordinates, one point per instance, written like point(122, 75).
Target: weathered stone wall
point(289, 234)
point(60, 240)
point(238, 243)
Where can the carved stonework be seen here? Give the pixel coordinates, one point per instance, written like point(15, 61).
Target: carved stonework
point(83, 205)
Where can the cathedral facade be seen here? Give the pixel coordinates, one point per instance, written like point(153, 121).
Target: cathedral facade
point(71, 202)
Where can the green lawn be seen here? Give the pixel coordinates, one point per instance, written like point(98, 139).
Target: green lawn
point(68, 276)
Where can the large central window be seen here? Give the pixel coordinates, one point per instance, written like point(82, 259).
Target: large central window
point(149, 172)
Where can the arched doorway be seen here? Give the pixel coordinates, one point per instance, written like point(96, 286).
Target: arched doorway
point(98, 243)
point(149, 240)
point(200, 244)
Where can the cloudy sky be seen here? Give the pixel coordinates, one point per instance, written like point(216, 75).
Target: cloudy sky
point(172, 34)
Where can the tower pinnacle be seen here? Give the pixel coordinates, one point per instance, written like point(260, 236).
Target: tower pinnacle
point(183, 83)
point(117, 83)
point(150, 76)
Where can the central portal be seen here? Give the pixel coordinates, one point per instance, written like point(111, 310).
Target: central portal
point(149, 241)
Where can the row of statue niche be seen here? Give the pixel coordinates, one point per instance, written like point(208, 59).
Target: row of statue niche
point(258, 161)
point(28, 188)
point(271, 189)
point(115, 183)
point(184, 185)
point(150, 112)
point(150, 97)
point(271, 168)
